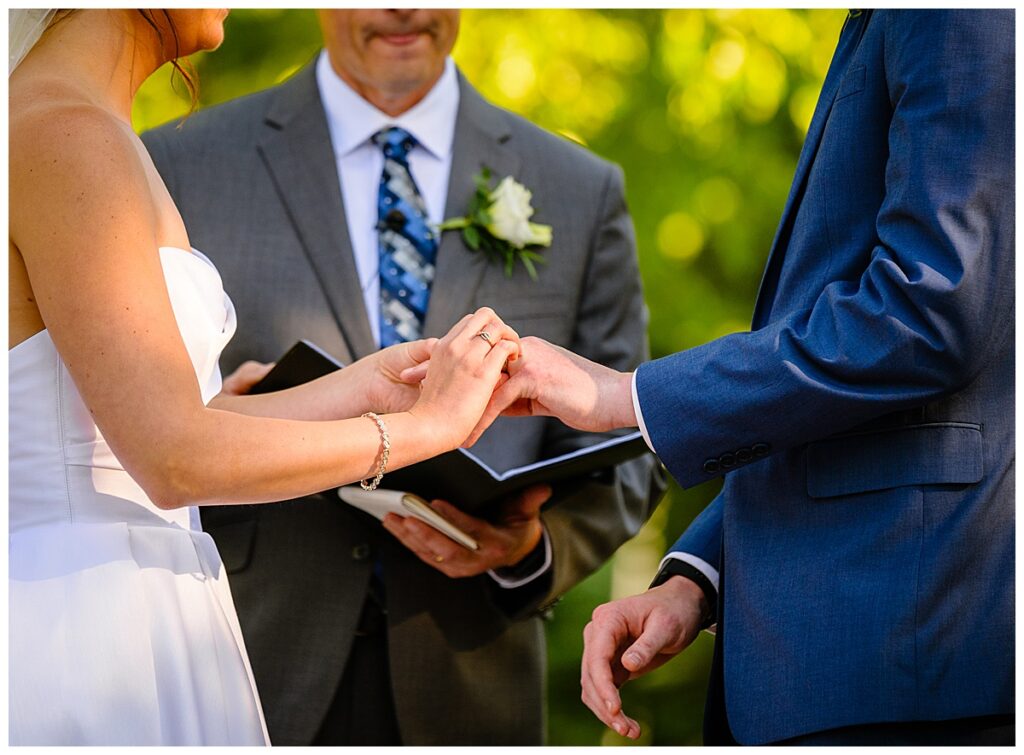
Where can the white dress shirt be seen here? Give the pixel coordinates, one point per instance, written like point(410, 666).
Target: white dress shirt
point(352, 122)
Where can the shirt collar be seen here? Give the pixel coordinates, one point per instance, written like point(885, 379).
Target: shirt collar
point(352, 120)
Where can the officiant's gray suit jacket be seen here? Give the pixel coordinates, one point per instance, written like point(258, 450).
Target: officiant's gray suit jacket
point(256, 183)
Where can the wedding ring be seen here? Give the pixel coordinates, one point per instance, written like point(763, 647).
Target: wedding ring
point(486, 336)
point(439, 559)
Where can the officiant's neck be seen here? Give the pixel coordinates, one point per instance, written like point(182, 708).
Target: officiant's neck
point(394, 99)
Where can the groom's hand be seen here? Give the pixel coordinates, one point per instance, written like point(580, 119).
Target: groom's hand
point(504, 542)
point(629, 637)
point(550, 381)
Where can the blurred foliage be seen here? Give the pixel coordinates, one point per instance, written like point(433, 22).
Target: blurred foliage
point(706, 111)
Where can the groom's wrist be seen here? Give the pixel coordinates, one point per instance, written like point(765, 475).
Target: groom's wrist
point(696, 581)
point(620, 400)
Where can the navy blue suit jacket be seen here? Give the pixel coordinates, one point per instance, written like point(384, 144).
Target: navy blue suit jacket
point(866, 423)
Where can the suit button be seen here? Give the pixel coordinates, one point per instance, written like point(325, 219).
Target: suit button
point(711, 466)
point(727, 460)
point(760, 450)
point(361, 552)
point(744, 455)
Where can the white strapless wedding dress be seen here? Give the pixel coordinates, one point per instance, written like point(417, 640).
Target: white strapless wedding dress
point(122, 629)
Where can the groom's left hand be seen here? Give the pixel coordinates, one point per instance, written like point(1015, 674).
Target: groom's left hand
point(504, 542)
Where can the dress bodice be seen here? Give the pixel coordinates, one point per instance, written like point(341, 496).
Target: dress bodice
point(122, 626)
point(61, 468)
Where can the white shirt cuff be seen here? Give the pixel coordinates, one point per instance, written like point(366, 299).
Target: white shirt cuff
point(509, 584)
point(640, 416)
point(697, 563)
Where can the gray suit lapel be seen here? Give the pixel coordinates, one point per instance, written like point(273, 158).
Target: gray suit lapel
point(296, 148)
point(481, 136)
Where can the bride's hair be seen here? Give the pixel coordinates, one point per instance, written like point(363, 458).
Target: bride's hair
point(189, 76)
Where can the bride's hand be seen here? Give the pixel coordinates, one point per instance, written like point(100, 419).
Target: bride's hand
point(465, 368)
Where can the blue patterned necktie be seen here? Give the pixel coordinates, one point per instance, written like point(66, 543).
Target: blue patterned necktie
point(407, 244)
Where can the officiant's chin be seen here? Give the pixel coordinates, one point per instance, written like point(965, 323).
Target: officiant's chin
point(398, 49)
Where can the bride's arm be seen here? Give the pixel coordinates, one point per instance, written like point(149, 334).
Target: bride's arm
point(84, 218)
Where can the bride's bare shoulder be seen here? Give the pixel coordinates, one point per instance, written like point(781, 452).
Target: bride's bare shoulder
point(51, 121)
point(72, 155)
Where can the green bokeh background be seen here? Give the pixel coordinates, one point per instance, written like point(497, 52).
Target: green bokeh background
point(705, 110)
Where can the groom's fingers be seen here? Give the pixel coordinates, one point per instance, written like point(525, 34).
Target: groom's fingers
point(501, 399)
point(602, 638)
point(609, 712)
point(659, 633)
point(498, 356)
point(509, 398)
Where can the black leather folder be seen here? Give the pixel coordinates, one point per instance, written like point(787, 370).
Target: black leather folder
point(459, 476)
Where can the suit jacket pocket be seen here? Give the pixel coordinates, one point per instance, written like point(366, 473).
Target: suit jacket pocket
point(853, 82)
point(928, 454)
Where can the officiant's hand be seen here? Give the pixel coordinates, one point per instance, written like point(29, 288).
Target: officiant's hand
point(504, 542)
point(239, 382)
point(386, 392)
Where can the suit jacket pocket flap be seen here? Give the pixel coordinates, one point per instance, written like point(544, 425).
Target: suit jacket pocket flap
point(933, 454)
point(852, 82)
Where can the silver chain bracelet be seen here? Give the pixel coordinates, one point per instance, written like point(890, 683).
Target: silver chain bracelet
point(385, 444)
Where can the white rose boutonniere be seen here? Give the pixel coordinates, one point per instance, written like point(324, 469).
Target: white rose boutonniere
point(499, 224)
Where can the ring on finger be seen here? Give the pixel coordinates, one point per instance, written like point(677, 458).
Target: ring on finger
point(438, 559)
point(486, 336)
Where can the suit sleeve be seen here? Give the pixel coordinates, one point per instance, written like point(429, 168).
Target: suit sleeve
point(589, 524)
point(936, 294)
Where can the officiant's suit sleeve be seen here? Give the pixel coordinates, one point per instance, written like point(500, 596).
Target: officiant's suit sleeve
point(934, 292)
